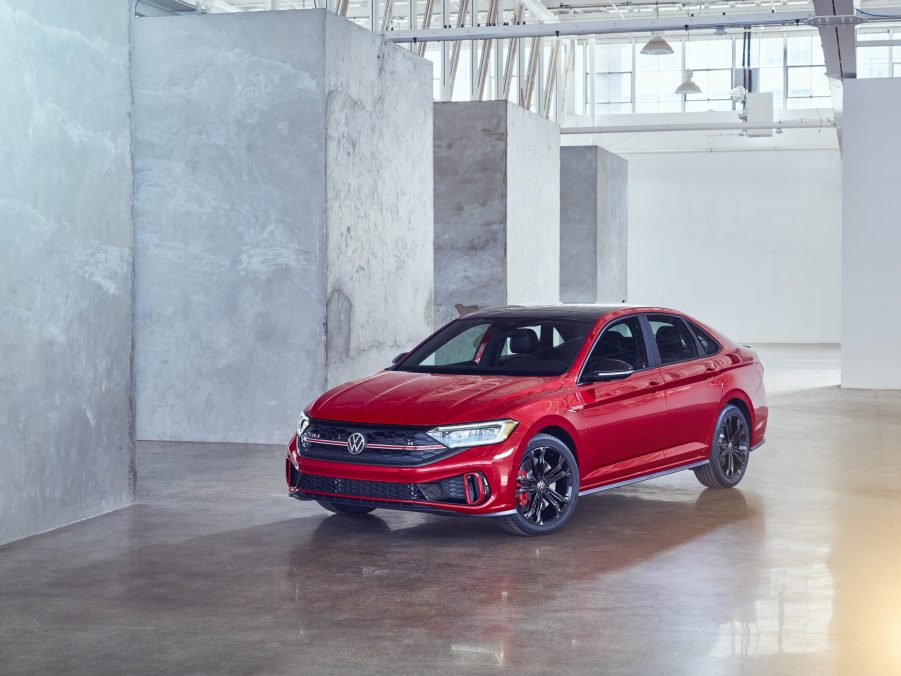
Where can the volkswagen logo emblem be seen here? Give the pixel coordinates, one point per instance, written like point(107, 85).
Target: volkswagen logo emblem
point(356, 442)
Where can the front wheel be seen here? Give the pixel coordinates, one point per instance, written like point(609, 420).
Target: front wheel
point(547, 487)
point(346, 510)
point(729, 450)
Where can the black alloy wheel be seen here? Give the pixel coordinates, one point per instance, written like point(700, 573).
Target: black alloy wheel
point(729, 452)
point(547, 487)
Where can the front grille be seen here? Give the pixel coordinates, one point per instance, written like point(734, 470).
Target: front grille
point(384, 490)
point(398, 446)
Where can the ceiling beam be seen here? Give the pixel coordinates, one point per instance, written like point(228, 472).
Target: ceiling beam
point(699, 126)
point(601, 27)
point(838, 38)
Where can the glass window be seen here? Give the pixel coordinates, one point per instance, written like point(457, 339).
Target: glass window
point(613, 87)
point(674, 341)
point(500, 346)
point(708, 54)
point(873, 61)
point(772, 80)
point(613, 108)
point(770, 53)
point(613, 58)
point(622, 341)
point(804, 50)
point(655, 91)
point(708, 344)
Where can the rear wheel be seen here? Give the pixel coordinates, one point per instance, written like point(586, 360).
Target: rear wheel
point(547, 487)
point(346, 510)
point(729, 450)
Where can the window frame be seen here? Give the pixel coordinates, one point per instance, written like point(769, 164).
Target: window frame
point(610, 324)
point(694, 327)
point(700, 354)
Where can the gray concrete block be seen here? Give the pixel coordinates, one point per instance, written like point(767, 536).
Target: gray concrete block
point(496, 207)
point(283, 218)
point(593, 225)
point(66, 264)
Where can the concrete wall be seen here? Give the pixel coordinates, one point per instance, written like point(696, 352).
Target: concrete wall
point(470, 188)
point(278, 225)
point(379, 217)
point(748, 242)
point(613, 228)
point(533, 208)
point(66, 242)
point(594, 220)
point(871, 238)
point(496, 207)
point(579, 224)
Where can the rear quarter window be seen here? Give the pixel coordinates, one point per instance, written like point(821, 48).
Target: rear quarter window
point(708, 345)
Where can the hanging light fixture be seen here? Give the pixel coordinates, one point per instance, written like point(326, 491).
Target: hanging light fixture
point(657, 46)
point(688, 86)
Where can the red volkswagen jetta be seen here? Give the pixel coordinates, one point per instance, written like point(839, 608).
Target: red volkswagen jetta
point(515, 412)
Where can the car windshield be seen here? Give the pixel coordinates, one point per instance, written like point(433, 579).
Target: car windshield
point(500, 346)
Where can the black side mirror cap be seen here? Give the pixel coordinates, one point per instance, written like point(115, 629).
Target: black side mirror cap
point(608, 369)
point(399, 357)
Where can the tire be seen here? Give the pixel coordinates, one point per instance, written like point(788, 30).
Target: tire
point(346, 510)
point(543, 507)
point(730, 449)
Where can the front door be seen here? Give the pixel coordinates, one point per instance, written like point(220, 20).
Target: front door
point(621, 420)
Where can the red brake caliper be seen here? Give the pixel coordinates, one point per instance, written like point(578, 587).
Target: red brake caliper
point(522, 497)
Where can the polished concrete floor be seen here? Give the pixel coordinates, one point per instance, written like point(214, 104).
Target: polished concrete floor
point(216, 571)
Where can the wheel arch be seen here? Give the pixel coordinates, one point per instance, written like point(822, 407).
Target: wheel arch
point(560, 429)
point(742, 402)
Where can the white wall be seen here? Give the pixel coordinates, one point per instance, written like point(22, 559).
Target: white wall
point(748, 242)
point(871, 238)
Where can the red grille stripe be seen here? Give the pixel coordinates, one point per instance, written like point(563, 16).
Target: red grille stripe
point(329, 442)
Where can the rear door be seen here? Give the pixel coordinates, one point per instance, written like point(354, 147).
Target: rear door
point(621, 420)
point(692, 383)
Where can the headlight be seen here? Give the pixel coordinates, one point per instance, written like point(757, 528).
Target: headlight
point(474, 434)
point(302, 423)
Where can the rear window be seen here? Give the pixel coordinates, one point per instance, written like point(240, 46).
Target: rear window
point(516, 347)
point(708, 344)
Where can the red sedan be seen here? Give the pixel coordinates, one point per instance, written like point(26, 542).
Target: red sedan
point(516, 412)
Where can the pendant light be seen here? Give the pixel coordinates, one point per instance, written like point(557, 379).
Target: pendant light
point(688, 86)
point(657, 46)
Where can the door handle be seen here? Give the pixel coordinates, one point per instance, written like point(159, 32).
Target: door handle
point(711, 369)
point(653, 383)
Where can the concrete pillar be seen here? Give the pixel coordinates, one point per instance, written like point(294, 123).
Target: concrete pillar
point(594, 222)
point(283, 212)
point(497, 207)
point(871, 239)
point(66, 263)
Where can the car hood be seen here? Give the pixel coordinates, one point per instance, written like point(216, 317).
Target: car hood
point(404, 398)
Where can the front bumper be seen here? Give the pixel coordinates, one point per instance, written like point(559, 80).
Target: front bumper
point(429, 488)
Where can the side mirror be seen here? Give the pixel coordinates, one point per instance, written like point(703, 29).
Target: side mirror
point(605, 370)
point(399, 357)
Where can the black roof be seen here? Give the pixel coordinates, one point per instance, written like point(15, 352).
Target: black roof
point(548, 311)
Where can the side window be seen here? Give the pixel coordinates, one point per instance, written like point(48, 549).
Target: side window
point(708, 344)
point(674, 341)
point(621, 340)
